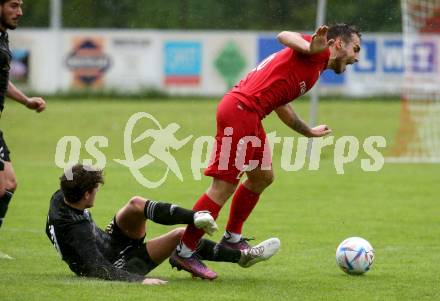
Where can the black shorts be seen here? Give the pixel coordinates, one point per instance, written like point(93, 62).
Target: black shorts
point(4, 150)
point(124, 252)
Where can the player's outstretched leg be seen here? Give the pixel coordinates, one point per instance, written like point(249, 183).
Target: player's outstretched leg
point(240, 244)
point(192, 265)
point(209, 250)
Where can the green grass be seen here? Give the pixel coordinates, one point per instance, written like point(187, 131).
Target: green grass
point(396, 209)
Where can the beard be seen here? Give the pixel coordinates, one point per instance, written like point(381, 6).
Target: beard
point(340, 66)
point(8, 25)
point(340, 69)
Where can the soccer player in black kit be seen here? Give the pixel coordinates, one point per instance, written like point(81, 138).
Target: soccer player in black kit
point(119, 252)
point(10, 13)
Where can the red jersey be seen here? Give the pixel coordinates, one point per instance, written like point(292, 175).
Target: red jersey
point(280, 78)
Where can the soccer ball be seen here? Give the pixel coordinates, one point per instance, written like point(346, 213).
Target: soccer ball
point(355, 255)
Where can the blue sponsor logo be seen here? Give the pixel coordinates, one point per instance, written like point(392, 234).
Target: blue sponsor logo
point(367, 57)
point(183, 61)
point(393, 57)
point(423, 57)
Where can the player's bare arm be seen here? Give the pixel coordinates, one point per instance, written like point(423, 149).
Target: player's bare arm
point(34, 103)
point(292, 120)
point(295, 41)
point(289, 117)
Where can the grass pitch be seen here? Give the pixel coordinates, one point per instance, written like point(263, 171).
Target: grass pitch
point(396, 209)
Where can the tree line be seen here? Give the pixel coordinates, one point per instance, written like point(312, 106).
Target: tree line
point(270, 15)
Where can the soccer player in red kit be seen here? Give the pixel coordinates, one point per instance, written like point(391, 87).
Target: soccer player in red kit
point(241, 140)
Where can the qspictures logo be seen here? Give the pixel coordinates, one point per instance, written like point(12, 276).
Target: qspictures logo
point(164, 144)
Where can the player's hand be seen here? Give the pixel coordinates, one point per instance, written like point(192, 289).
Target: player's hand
point(154, 281)
point(36, 103)
point(319, 40)
point(204, 220)
point(319, 131)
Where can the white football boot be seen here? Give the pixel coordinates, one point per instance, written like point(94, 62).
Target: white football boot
point(204, 220)
point(263, 251)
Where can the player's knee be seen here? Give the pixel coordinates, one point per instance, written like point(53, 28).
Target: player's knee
point(269, 178)
point(262, 181)
point(137, 203)
point(178, 233)
point(221, 190)
point(11, 185)
point(266, 179)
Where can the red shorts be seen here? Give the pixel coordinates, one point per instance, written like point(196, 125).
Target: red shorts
point(240, 142)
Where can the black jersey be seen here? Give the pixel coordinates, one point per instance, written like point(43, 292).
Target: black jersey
point(83, 245)
point(5, 62)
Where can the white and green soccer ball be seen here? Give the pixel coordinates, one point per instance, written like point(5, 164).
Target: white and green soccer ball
point(355, 255)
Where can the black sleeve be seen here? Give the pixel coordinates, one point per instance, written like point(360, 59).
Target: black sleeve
point(167, 214)
point(96, 265)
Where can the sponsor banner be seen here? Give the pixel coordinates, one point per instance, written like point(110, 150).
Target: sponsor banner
point(201, 62)
point(205, 63)
point(135, 62)
point(424, 57)
point(183, 62)
point(380, 68)
point(367, 57)
point(229, 57)
point(88, 62)
point(392, 58)
point(19, 72)
point(35, 60)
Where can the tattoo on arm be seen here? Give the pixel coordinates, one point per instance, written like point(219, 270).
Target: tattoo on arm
point(301, 127)
point(292, 120)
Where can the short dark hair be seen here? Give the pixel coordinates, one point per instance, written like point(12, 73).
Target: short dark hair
point(344, 31)
point(79, 179)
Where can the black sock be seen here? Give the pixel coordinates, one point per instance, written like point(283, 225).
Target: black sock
point(4, 202)
point(209, 250)
point(167, 214)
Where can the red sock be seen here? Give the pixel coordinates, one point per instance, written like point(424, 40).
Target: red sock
point(192, 235)
point(243, 203)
